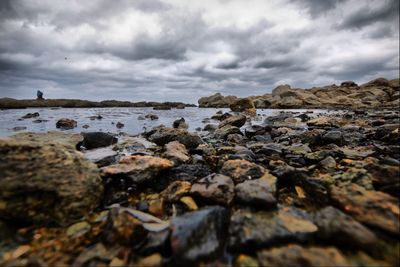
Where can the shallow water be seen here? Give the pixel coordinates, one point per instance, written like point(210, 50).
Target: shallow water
point(11, 118)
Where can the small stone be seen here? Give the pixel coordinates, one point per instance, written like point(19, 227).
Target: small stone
point(66, 124)
point(151, 116)
point(31, 115)
point(120, 125)
point(176, 190)
point(78, 229)
point(177, 152)
point(242, 170)
point(180, 124)
point(215, 188)
point(255, 192)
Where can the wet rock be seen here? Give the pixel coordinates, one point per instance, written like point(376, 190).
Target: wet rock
point(31, 115)
point(94, 140)
point(162, 136)
point(262, 228)
point(177, 152)
point(46, 183)
point(40, 121)
point(151, 116)
point(138, 168)
point(120, 125)
point(254, 130)
point(295, 255)
point(272, 149)
point(198, 235)
point(374, 208)
point(86, 126)
point(215, 188)
point(243, 105)
point(242, 170)
point(180, 124)
point(52, 137)
point(97, 117)
point(66, 124)
point(256, 192)
point(222, 133)
point(235, 138)
point(342, 229)
point(235, 120)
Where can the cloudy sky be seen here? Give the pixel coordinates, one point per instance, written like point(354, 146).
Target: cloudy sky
point(180, 50)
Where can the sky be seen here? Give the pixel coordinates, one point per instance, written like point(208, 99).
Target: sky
point(181, 50)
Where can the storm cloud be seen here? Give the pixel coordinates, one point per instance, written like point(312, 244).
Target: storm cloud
point(179, 50)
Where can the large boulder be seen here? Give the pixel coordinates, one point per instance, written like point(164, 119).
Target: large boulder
point(43, 183)
point(243, 105)
point(216, 101)
point(281, 89)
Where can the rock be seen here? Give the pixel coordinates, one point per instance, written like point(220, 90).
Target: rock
point(176, 190)
point(328, 163)
point(377, 82)
point(97, 117)
point(298, 149)
point(243, 105)
point(255, 192)
point(262, 228)
point(221, 116)
point(210, 128)
point(335, 226)
point(322, 122)
point(215, 188)
point(271, 149)
point(151, 116)
point(198, 235)
point(124, 228)
point(222, 133)
point(86, 126)
point(120, 125)
point(162, 136)
point(374, 208)
point(189, 172)
point(31, 115)
point(43, 183)
point(216, 101)
point(245, 261)
point(281, 89)
point(235, 120)
point(94, 140)
point(295, 255)
point(242, 170)
point(19, 128)
point(177, 152)
point(66, 124)
point(333, 137)
point(180, 124)
point(138, 168)
point(348, 84)
point(262, 103)
point(52, 137)
point(254, 130)
point(162, 107)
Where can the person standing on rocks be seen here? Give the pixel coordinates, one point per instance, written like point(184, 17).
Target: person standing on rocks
point(39, 95)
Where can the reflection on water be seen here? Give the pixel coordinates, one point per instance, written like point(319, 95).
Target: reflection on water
point(129, 116)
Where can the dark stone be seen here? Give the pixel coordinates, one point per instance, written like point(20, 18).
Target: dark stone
point(235, 120)
point(162, 136)
point(31, 115)
point(199, 235)
point(215, 188)
point(93, 140)
point(66, 124)
point(254, 130)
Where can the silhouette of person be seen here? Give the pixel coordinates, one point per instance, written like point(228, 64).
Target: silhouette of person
point(39, 94)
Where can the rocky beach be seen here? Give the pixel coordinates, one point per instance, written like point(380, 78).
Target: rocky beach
point(231, 185)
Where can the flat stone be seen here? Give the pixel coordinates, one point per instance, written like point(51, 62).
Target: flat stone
point(241, 170)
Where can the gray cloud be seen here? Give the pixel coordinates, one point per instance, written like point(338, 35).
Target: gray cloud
point(172, 50)
point(388, 11)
